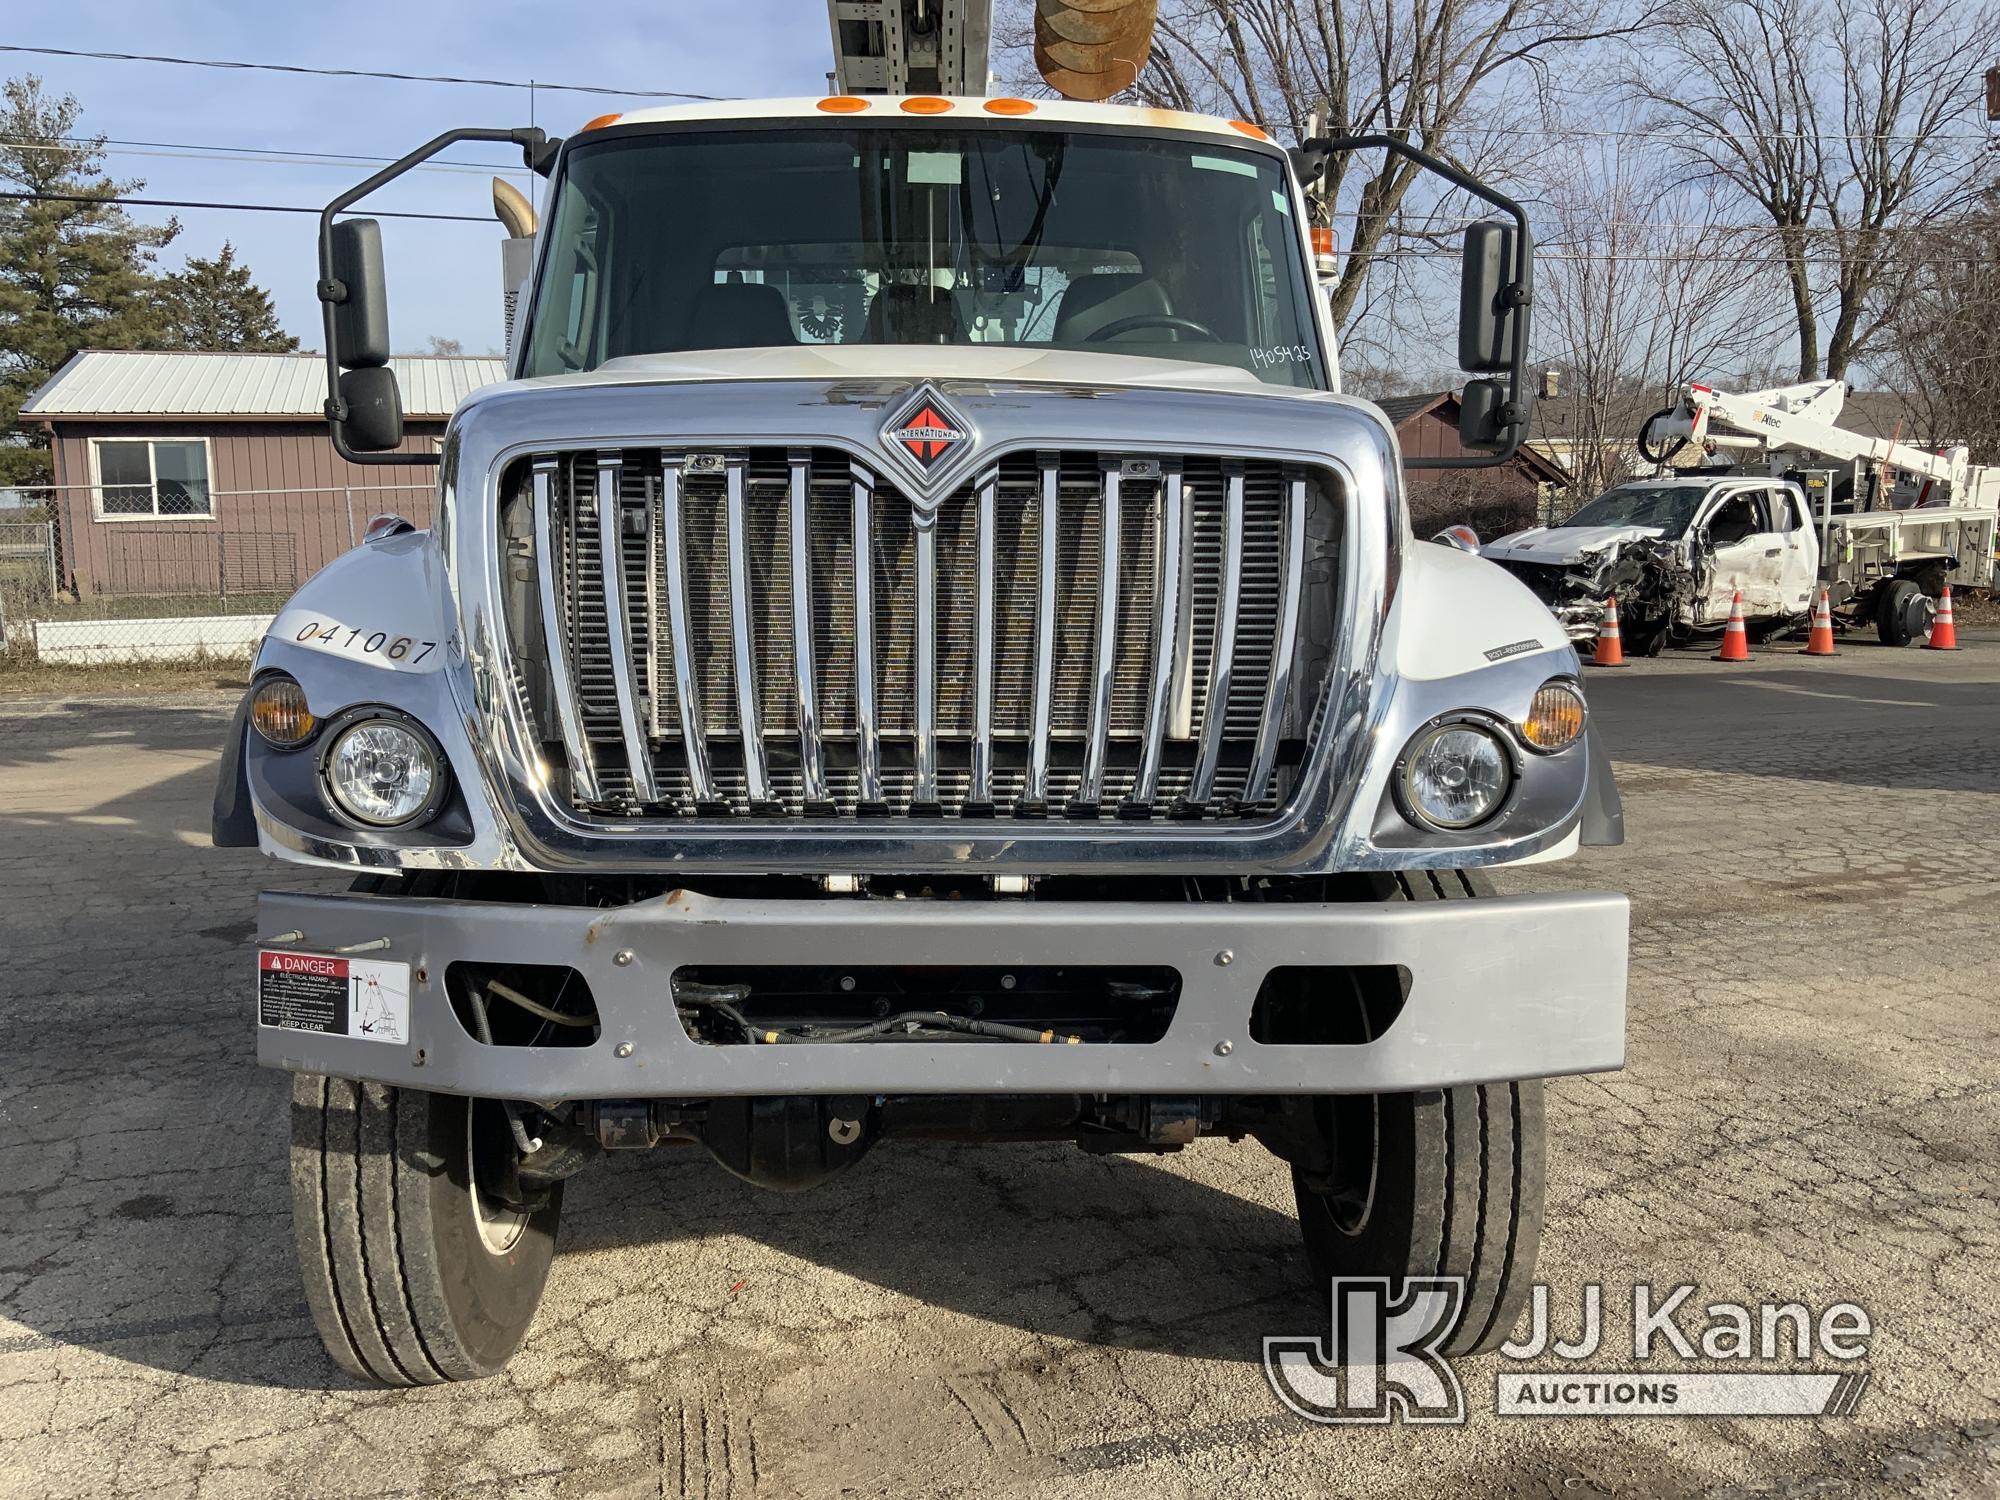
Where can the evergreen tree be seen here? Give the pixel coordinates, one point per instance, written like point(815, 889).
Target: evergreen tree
point(75, 271)
point(213, 304)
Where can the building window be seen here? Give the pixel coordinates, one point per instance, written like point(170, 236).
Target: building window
point(152, 478)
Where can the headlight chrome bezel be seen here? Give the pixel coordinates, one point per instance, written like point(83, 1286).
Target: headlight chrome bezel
point(1495, 730)
point(335, 731)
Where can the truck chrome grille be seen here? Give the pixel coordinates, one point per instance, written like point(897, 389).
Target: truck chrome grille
point(1068, 634)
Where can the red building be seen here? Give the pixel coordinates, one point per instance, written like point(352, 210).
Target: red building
point(210, 475)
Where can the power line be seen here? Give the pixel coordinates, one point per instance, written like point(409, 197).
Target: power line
point(264, 67)
point(247, 208)
point(243, 155)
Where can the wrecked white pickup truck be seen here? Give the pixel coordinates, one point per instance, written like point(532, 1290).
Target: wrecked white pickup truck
point(1674, 552)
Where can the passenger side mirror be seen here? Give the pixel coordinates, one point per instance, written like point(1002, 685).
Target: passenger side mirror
point(374, 406)
point(367, 412)
point(361, 297)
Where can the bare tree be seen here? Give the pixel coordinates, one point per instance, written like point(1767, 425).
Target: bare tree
point(1430, 72)
point(1639, 289)
point(1943, 335)
point(1845, 124)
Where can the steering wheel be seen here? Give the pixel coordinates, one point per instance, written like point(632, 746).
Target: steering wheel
point(1117, 326)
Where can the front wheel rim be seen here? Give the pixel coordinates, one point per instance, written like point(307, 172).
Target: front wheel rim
point(499, 1227)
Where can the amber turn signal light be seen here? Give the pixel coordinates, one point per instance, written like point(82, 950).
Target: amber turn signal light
point(279, 712)
point(1555, 718)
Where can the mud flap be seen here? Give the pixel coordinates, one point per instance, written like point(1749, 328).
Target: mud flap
point(1603, 822)
point(233, 823)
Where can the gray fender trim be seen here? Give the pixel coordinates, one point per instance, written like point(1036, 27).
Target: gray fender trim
point(1603, 822)
point(233, 823)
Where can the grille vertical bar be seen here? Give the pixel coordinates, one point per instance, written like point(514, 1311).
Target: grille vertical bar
point(1169, 526)
point(1035, 790)
point(868, 744)
point(924, 797)
point(655, 607)
point(687, 688)
point(569, 714)
point(1110, 505)
point(1221, 661)
point(618, 620)
point(1265, 758)
point(743, 642)
point(979, 787)
point(812, 764)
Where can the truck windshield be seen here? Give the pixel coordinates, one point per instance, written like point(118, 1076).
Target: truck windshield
point(668, 241)
point(1669, 507)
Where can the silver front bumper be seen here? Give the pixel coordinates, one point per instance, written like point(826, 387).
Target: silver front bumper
point(1513, 987)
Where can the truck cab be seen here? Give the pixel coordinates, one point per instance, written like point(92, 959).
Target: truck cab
point(920, 647)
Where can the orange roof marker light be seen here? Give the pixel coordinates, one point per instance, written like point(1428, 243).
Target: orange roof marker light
point(600, 122)
point(1322, 239)
point(843, 104)
point(926, 104)
point(1010, 106)
point(1255, 132)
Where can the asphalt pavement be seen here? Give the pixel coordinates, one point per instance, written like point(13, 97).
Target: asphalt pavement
point(1809, 1113)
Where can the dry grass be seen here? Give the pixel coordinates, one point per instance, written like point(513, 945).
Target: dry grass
point(22, 676)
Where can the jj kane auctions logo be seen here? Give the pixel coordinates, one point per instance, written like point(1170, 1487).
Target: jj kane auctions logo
point(1383, 1359)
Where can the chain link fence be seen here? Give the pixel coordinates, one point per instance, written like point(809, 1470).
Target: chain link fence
point(80, 585)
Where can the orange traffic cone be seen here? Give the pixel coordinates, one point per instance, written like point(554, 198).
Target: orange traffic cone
point(1610, 649)
point(1944, 630)
point(1735, 639)
point(1820, 641)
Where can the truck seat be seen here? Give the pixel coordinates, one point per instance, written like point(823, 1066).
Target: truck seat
point(739, 315)
point(1102, 298)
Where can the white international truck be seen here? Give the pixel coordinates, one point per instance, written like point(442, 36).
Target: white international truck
point(919, 646)
point(1799, 502)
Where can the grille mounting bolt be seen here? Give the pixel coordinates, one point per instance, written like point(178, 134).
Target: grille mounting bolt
point(622, 958)
point(1226, 957)
point(1224, 1048)
point(623, 1049)
point(847, 982)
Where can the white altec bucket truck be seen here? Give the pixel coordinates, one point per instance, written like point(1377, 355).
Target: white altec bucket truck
point(919, 646)
point(1798, 503)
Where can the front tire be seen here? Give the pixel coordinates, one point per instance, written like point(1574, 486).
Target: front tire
point(1438, 1183)
point(416, 1273)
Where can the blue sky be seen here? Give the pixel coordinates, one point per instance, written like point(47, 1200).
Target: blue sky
point(444, 279)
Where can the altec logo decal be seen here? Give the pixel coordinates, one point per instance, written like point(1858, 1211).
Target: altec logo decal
point(927, 430)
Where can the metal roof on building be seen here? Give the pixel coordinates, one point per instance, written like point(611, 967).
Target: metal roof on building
point(187, 383)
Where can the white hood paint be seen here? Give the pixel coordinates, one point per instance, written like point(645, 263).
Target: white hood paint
point(914, 362)
point(1563, 544)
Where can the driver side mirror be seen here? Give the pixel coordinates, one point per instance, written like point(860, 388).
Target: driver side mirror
point(1491, 317)
point(359, 338)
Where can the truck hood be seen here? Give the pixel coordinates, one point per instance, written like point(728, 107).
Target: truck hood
point(873, 362)
point(1562, 545)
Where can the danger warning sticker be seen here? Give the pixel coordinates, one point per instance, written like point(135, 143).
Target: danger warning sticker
point(338, 996)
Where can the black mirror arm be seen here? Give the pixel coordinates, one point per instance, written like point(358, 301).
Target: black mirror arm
point(537, 150)
point(1310, 159)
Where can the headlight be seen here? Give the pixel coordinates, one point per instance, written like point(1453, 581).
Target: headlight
point(383, 772)
point(1555, 718)
point(1456, 775)
point(278, 709)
